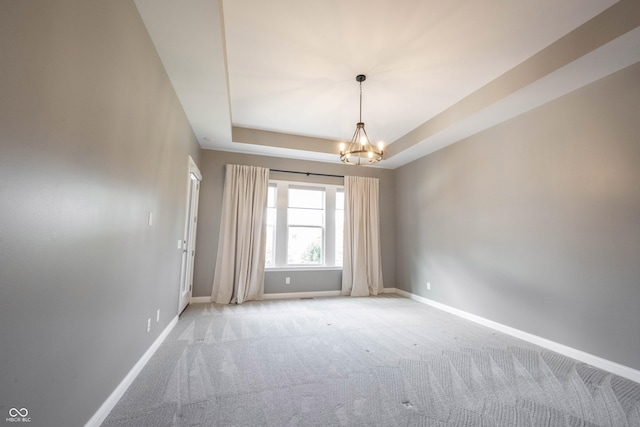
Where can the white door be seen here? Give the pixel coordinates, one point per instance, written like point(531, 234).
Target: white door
point(189, 241)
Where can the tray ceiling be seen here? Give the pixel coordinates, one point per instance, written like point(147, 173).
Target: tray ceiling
point(278, 78)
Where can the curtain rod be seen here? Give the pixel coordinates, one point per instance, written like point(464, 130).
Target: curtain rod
point(308, 173)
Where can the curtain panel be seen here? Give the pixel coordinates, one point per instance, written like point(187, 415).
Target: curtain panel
point(362, 263)
point(239, 273)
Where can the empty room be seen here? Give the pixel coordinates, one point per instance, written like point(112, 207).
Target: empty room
point(355, 213)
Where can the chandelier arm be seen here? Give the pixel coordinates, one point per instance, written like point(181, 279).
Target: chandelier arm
point(354, 140)
point(372, 147)
point(366, 136)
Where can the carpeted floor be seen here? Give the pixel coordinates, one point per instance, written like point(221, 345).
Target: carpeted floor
point(378, 361)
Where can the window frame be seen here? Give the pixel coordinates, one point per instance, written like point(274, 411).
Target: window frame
point(273, 243)
point(282, 226)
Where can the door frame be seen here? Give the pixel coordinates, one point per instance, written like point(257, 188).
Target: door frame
point(188, 246)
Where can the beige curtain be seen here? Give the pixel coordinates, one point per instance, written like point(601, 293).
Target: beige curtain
point(239, 274)
point(362, 263)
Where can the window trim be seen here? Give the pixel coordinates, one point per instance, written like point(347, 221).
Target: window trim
point(273, 245)
point(280, 257)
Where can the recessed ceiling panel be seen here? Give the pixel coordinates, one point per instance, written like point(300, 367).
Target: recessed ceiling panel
point(292, 64)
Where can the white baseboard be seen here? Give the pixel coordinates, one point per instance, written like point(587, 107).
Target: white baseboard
point(590, 359)
point(291, 295)
point(102, 412)
point(316, 294)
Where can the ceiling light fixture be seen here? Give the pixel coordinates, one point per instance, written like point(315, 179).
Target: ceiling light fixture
point(360, 150)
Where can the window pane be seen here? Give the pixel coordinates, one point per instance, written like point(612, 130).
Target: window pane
point(306, 217)
point(271, 216)
point(306, 198)
point(271, 196)
point(339, 236)
point(340, 199)
point(270, 253)
point(304, 245)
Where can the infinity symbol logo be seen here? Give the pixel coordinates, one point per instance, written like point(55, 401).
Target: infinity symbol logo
point(23, 412)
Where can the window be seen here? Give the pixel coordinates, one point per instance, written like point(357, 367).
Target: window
point(304, 225)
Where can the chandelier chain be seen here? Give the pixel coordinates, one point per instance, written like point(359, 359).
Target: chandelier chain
point(360, 102)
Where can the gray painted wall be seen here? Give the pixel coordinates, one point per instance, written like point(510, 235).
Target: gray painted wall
point(212, 168)
point(92, 139)
point(302, 281)
point(535, 223)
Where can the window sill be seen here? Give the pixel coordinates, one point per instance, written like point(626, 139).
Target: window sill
point(303, 268)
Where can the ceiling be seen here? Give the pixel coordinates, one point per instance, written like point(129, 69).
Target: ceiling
point(278, 77)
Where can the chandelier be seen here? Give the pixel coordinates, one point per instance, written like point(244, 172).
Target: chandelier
point(360, 151)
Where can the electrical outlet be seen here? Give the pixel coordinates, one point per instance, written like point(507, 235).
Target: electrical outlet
point(287, 281)
point(148, 324)
point(428, 286)
point(158, 315)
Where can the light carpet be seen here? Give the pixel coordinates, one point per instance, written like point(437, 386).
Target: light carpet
point(377, 361)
